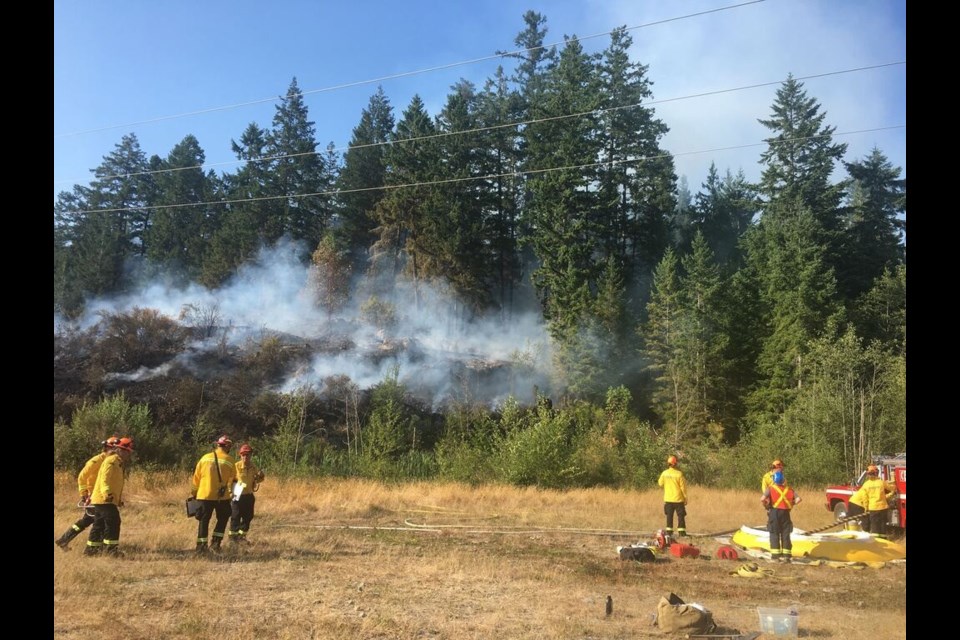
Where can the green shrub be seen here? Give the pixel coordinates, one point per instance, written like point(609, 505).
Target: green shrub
point(77, 441)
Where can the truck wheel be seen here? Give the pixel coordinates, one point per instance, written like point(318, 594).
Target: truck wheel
point(839, 511)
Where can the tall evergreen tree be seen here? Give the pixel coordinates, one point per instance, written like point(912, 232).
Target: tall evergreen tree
point(180, 233)
point(362, 178)
point(798, 162)
point(706, 340)
point(801, 155)
point(637, 181)
point(302, 212)
point(874, 226)
point(404, 215)
point(880, 314)
point(661, 336)
point(798, 300)
point(459, 230)
point(99, 230)
point(499, 157)
point(725, 209)
point(562, 212)
point(243, 225)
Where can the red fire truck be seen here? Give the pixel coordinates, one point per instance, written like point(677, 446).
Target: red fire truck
point(893, 469)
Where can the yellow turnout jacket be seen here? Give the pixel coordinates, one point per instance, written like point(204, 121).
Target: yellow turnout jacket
point(248, 474)
point(88, 475)
point(873, 494)
point(674, 485)
point(206, 482)
point(109, 485)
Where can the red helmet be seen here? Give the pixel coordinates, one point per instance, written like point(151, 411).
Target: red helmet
point(245, 449)
point(872, 470)
point(111, 442)
point(126, 444)
point(224, 441)
point(777, 464)
point(672, 461)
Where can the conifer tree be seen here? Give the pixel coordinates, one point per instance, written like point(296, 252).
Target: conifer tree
point(361, 180)
point(302, 209)
point(874, 225)
point(181, 229)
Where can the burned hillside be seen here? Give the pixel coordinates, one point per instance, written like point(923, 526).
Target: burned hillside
point(238, 378)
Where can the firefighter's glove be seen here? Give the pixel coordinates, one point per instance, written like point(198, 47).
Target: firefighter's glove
point(109, 498)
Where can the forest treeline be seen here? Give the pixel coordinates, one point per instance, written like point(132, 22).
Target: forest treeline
point(764, 317)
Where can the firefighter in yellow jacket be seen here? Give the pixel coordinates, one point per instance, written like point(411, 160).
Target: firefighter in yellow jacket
point(106, 499)
point(767, 478)
point(85, 481)
point(213, 480)
point(674, 497)
point(875, 495)
point(249, 478)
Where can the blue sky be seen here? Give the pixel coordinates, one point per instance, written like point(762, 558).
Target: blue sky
point(120, 64)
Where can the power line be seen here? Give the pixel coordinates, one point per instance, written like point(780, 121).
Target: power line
point(404, 74)
point(491, 176)
point(500, 126)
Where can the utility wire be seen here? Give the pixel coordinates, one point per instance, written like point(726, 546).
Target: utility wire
point(509, 174)
point(494, 127)
point(503, 54)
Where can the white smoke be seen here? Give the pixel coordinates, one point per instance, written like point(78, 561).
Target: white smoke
point(438, 354)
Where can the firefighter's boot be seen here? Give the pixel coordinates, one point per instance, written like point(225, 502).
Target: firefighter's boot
point(215, 544)
point(201, 548)
point(93, 549)
point(64, 541)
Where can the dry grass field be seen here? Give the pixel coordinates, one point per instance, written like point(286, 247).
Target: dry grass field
point(348, 559)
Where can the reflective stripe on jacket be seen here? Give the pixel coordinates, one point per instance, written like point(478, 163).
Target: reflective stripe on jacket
point(109, 481)
point(674, 485)
point(207, 483)
point(88, 475)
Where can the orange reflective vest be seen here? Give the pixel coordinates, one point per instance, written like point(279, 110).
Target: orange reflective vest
point(781, 497)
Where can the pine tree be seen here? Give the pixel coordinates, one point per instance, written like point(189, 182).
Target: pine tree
point(242, 226)
point(798, 162)
point(706, 340)
point(99, 231)
point(662, 335)
point(798, 297)
point(874, 226)
point(499, 157)
point(637, 181)
point(563, 207)
point(405, 212)
point(179, 235)
point(362, 178)
point(725, 208)
point(303, 210)
point(458, 233)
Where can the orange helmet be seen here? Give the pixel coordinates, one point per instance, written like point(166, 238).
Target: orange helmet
point(777, 464)
point(872, 470)
point(111, 442)
point(125, 443)
point(672, 461)
point(245, 449)
point(224, 441)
